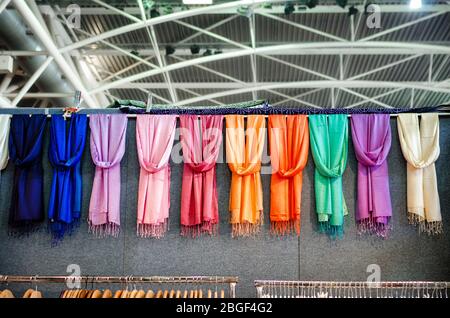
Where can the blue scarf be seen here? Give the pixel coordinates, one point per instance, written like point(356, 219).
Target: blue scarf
point(65, 151)
point(25, 151)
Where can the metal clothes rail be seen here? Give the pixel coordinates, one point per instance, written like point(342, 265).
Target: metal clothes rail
point(197, 280)
point(343, 289)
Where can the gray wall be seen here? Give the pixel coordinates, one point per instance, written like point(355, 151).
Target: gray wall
point(406, 255)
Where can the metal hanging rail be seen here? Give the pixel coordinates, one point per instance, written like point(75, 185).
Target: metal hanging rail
point(213, 280)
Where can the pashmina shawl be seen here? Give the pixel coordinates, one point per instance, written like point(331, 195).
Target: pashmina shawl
point(4, 136)
point(329, 146)
point(25, 151)
point(154, 139)
point(420, 147)
point(371, 136)
point(65, 152)
point(201, 146)
point(108, 137)
point(289, 144)
point(244, 151)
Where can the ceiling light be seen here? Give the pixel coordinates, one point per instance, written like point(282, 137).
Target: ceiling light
point(154, 13)
point(289, 8)
point(170, 50)
point(341, 3)
point(197, 1)
point(207, 52)
point(311, 3)
point(352, 11)
point(195, 49)
point(415, 4)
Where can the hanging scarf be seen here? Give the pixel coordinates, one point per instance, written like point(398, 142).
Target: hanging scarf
point(244, 152)
point(108, 136)
point(201, 146)
point(420, 147)
point(329, 146)
point(65, 151)
point(4, 136)
point(154, 137)
point(25, 151)
point(289, 143)
point(371, 136)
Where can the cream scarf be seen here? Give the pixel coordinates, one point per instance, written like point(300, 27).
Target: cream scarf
point(4, 138)
point(420, 147)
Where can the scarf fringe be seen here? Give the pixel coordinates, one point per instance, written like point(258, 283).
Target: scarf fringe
point(24, 230)
point(247, 229)
point(371, 226)
point(334, 231)
point(104, 230)
point(430, 228)
point(59, 229)
point(194, 231)
point(285, 227)
point(153, 230)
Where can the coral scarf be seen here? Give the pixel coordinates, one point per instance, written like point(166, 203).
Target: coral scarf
point(289, 144)
point(4, 136)
point(329, 146)
point(371, 136)
point(25, 151)
point(108, 137)
point(201, 146)
point(244, 152)
point(154, 138)
point(420, 147)
point(65, 151)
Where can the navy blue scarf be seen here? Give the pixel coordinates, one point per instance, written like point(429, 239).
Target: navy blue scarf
point(65, 151)
point(25, 151)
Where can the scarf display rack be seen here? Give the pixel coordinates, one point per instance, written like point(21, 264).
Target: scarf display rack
point(342, 289)
point(231, 281)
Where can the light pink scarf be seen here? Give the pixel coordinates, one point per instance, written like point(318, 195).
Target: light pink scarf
point(199, 208)
point(108, 136)
point(154, 138)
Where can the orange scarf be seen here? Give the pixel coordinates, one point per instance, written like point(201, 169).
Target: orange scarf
point(244, 151)
point(289, 144)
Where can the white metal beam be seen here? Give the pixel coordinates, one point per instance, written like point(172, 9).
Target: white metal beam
point(365, 97)
point(46, 40)
point(264, 50)
point(197, 94)
point(317, 84)
point(312, 91)
point(31, 81)
point(4, 4)
point(209, 28)
point(393, 91)
point(251, 24)
point(6, 81)
point(402, 26)
point(304, 27)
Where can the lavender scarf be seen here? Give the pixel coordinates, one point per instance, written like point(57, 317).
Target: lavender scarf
point(108, 136)
point(371, 136)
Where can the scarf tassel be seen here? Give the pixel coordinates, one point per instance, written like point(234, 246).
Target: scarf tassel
point(60, 229)
point(104, 230)
point(194, 231)
point(431, 228)
point(285, 227)
point(247, 229)
point(334, 231)
point(371, 226)
point(153, 230)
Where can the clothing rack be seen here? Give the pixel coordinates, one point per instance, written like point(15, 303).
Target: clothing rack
point(343, 289)
point(212, 280)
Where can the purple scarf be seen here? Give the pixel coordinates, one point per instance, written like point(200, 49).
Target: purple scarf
point(371, 136)
point(108, 136)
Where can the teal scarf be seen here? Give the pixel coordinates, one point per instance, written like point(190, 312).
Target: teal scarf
point(329, 145)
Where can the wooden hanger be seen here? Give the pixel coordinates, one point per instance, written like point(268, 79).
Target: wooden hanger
point(150, 294)
point(166, 294)
point(185, 294)
point(172, 294)
point(178, 295)
point(140, 294)
point(222, 294)
point(117, 294)
point(107, 294)
point(200, 293)
point(7, 294)
point(27, 294)
point(209, 293)
point(96, 294)
point(159, 294)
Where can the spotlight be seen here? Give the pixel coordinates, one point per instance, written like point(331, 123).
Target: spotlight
point(288, 8)
point(415, 4)
point(170, 50)
point(148, 4)
point(218, 51)
point(207, 52)
point(352, 11)
point(311, 3)
point(154, 13)
point(195, 49)
point(267, 5)
point(244, 11)
point(341, 3)
point(166, 9)
point(135, 53)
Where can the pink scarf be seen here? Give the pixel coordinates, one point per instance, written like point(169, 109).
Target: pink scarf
point(154, 138)
point(108, 136)
point(199, 208)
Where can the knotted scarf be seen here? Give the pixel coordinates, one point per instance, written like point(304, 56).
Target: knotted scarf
point(108, 136)
point(420, 147)
point(65, 151)
point(201, 146)
point(289, 144)
point(154, 138)
point(25, 151)
point(329, 146)
point(244, 151)
point(371, 136)
point(4, 137)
